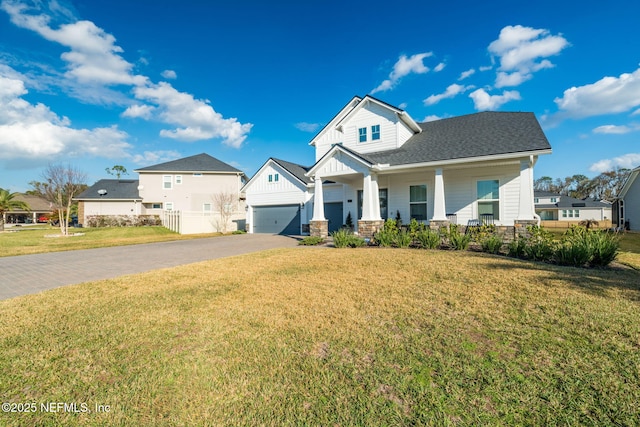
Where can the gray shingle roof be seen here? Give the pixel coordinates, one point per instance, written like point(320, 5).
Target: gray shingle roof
point(566, 202)
point(123, 189)
point(473, 135)
point(295, 169)
point(198, 163)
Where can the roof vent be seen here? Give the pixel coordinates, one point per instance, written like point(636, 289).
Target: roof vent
point(102, 192)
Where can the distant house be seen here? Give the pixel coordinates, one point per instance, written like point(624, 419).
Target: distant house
point(188, 188)
point(39, 210)
point(373, 161)
point(627, 206)
point(568, 210)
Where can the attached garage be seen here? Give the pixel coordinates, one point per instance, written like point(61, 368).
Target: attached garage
point(281, 219)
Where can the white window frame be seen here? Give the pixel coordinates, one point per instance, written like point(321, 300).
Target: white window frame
point(362, 136)
point(480, 201)
point(276, 177)
point(178, 179)
point(167, 182)
point(425, 202)
point(207, 207)
point(375, 132)
point(168, 206)
point(197, 175)
point(156, 205)
point(554, 200)
point(270, 178)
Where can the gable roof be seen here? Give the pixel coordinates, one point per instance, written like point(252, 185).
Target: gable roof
point(198, 163)
point(357, 103)
point(294, 169)
point(116, 189)
point(473, 135)
point(629, 182)
point(35, 203)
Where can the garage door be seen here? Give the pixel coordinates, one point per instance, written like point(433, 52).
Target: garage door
point(283, 219)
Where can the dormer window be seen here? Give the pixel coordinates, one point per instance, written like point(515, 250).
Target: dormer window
point(375, 132)
point(362, 134)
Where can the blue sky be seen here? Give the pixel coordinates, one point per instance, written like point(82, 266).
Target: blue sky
point(136, 83)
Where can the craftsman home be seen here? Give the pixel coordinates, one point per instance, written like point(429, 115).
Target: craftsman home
point(191, 195)
point(373, 161)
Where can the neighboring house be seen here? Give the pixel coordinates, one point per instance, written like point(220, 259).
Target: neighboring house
point(555, 207)
point(374, 161)
point(191, 188)
point(39, 210)
point(626, 208)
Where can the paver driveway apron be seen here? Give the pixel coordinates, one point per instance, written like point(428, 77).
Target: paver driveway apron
point(28, 274)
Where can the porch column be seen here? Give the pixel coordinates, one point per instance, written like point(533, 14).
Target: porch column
point(526, 211)
point(370, 198)
point(439, 207)
point(371, 221)
point(318, 226)
point(318, 201)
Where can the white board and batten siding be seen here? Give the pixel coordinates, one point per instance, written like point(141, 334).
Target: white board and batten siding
point(393, 132)
point(287, 190)
point(632, 205)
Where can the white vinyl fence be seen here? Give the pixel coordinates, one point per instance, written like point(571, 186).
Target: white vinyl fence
point(194, 222)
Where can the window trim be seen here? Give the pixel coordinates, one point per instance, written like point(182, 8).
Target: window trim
point(167, 206)
point(375, 132)
point(424, 202)
point(204, 207)
point(480, 201)
point(362, 136)
point(178, 180)
point(166, 181)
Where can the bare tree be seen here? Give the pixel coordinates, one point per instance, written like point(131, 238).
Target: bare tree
point(224, 203)
point(61, 184)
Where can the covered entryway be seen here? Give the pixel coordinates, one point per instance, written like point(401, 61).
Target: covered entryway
point(333, 213)
point(281, 219)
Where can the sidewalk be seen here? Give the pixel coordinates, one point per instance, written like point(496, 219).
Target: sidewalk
point(29, 274)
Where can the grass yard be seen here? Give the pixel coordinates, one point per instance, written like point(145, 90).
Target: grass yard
point(33, 240)
point(320, 336)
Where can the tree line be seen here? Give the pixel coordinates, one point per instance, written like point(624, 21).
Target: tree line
point(606, 186)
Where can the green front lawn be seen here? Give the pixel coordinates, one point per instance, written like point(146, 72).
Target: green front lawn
point(321, 336)
point(21, 241)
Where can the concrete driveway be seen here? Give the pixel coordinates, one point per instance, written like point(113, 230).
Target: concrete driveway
point(29, 274)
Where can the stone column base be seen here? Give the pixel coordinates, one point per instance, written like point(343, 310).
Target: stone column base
point(319, 228)
point(367, 229)
point(438, 224)
point(520, 227)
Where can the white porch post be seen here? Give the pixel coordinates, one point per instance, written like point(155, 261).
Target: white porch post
point(370, 198)
point(439, 207)
point(318, 201)
point(526, 211)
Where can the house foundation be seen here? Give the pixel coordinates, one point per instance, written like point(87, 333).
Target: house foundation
point(367, 229)
point(438, 224)
point(520, 227)
point(319, 228)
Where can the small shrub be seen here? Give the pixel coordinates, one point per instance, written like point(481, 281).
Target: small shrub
point(428, 239)
point(539, 245)
point(491, 243)
point(515, 249)
point(415, 227)
point(402, 239)
point(604, 248)
point(239, 232)
point(457, 240)
point(574, 252)
point(344, 238)
point(311, 241)
point(387, 236)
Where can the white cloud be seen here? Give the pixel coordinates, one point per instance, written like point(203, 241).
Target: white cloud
point(198, 120)
point(628, 161)
point(467, 74)
point(613, 129)
point(169, 74)
point(139, 111)
point(153, 157)
point(94, 63)
point(431, 118)
point(486, 68)
point(439, 67)
point(403, 67)
point(608, 95)
point(483, 101)
point(307, 127)
point(452, 91)
point(93, 56)
point(35, 132)
point(522, 52)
